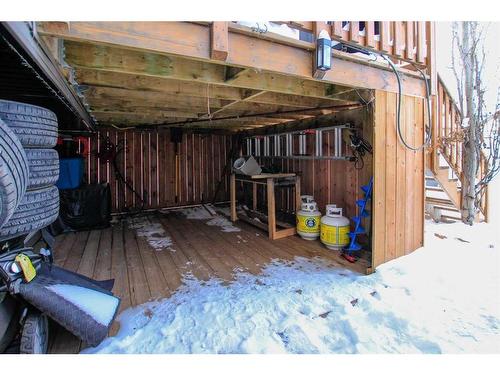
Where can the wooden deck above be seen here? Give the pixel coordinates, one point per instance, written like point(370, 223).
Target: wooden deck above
point(222, 74)
point(142, 273)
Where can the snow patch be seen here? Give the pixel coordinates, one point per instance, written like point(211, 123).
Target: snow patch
point(440, 299)
point(100, 306)
point(210, 214)
point(223, 223)
point(152, 231)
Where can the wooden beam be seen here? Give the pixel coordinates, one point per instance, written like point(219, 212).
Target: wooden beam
point(92, 78)
point(117, 60)
point(108, 96)
point(234, 103)
point(124, 80)
point(105, 118)
point(131, 115)
point(219, 40)
point(192, 41)
point(339, 118)
point(286, 114)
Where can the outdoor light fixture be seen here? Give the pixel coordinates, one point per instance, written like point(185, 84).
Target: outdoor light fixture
point(323, 51)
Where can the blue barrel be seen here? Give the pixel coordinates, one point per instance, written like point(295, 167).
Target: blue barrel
point(70, 173)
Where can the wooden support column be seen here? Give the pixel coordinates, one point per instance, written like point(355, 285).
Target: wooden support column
point(254, 196)
point(271, 209)
point(219, 41)
point(431, 55)
point(435, 135)
point(298, 201)
point(317, 28)
point(232, 189)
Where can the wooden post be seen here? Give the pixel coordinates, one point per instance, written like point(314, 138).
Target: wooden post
point(384, 36)
point(254, 196)
point(435, 135)
point(271, 213)
point(297, 194)
point(232, 189)
point(370, 32)
point(420, 42)
point(219, 41)
point(410, 40)
point(431, 55)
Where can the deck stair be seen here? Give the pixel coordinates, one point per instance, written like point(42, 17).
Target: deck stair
point(437, 201)
point(444, 162)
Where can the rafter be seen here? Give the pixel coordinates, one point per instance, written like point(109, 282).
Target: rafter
point(119, 60)
point(88, 78)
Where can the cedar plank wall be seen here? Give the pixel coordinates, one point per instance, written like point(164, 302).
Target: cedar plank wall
point(330, 181)
point(148, 164)
point(398, 212)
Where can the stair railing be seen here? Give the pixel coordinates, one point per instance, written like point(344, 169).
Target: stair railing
point(449, 140)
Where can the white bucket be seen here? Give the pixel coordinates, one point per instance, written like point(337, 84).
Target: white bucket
point(247, 167)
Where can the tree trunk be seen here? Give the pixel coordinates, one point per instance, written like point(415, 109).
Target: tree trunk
point(470, 158)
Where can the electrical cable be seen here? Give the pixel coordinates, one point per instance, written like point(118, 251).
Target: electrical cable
point(398, 109)
point(359, 148)
point(400, 95)
point(109, 152)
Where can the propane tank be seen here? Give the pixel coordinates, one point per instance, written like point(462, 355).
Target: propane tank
point(334, 228)
point(308, 219)
point(307, 199)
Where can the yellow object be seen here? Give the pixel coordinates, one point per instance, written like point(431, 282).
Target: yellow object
point(334, 228)
point(335, 236)
point(308, 224)
point(27, 267)
point(308, 220)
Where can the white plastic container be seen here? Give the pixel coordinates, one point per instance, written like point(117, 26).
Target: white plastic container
point(247, 167)
point(334, 228)
point(308, 221)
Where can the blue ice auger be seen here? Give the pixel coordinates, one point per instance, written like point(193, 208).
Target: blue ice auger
point(363, 212)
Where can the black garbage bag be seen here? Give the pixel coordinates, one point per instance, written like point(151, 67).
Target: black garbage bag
point(87, 207)
point(83, 306)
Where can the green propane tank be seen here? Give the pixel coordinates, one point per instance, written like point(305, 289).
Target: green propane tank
point(334, 228)
point(308, 219)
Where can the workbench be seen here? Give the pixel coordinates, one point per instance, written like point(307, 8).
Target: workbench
point(269, 180)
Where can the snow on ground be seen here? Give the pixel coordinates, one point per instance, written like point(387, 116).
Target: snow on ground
point(444, 298)
point(152, 230)
point(210, 214)
point(100, 306)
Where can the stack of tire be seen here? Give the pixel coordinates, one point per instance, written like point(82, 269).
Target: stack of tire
point(29, 168)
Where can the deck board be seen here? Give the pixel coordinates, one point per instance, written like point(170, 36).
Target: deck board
point(198, 250)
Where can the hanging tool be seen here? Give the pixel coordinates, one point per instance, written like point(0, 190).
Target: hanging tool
point(358, 228)
point(359, 147)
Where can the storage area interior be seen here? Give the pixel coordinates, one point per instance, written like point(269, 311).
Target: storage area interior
point(145, 195)
point(170, 195)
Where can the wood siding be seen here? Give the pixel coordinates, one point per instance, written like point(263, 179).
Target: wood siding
point(148, 163)
point(398, 202)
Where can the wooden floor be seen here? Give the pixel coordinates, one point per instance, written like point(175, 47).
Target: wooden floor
point(142, 273)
